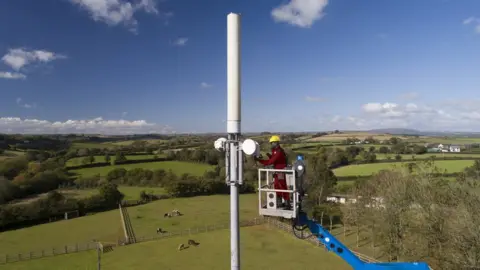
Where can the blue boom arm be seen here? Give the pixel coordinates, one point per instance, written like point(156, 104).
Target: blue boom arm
point(332, 244)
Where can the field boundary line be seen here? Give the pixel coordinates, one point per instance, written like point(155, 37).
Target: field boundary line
point(87, 246)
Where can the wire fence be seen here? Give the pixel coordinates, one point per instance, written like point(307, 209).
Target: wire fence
point(108, 246)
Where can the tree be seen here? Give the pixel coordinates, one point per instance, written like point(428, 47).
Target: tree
point(107, 158)
point(91, 159)
point(383, 150)
point(110, 193)
point(319, 182)
point(120, 157)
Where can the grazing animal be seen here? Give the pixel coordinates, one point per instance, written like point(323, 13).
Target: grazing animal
point(193, 243)
point(181, 246)
point(159, 230)
point(167, 215)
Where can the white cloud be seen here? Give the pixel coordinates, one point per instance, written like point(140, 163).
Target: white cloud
point(205, 85)
point(475, 21)
point(115, 12)
point(301, 13)
point(457, 116)
point(91, 126)
point(180, 42)
point(19, 57)
point(25, 105)
point(11, 75)
point(124, 114)
point(314, 99)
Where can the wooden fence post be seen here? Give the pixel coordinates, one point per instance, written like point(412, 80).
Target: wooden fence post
point(76, 247)
point(43, 253)
point(53, 251)
point(66, 250)
point(31, 255)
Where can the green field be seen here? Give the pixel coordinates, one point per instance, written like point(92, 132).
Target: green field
point(197, 212)
point(10, 154)
point(98, 159)
point(428, 155)
point(368, 169)
point(261, 248)
point(104, 226)
point(79, 145)
point(177, 167)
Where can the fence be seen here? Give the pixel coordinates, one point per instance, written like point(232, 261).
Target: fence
point(79, 247)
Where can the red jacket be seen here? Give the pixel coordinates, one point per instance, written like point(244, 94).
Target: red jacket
point(278, 159)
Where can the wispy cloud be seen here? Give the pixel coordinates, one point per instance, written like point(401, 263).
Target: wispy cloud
point(19, 57)
point(314, 99)
point(11, 75)
point(115, 12)
point(301, 13)
point(475, 21)
point(20, 103)
point(180, 42)
point(205, 85)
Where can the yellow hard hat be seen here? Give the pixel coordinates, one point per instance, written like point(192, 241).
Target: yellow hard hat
point(274, 138)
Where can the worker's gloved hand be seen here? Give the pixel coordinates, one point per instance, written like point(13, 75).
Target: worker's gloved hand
point(269, 155)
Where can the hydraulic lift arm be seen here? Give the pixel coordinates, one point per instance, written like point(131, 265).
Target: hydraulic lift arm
point(332, 244)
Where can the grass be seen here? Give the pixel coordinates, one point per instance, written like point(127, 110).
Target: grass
point(359, 135)
point(10, 154)
point(131, 193)
point(261, 248)
point(428, 155)
point(98, 159)
point(102, 226)
point(177, 167)
point(367, 169)
point(80, 145)
point(197, 212)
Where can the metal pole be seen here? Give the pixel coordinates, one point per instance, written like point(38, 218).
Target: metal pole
point(233, 130)
point(98, 257)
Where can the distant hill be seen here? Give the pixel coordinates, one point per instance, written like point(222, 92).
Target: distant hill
point(397, 131)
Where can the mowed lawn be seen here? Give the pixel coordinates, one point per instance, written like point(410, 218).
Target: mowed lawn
point(98, 159)
point(104, 226)
point(368, 169)
point(178, 167)
point(260, 248)
point(197, 212)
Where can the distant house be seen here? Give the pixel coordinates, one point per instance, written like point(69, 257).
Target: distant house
point(440, 146)
point(454, 148)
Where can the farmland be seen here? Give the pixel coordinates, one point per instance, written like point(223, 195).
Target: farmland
point(97, 159)
point(451, 166)
point(261, 248)
point(177, 167)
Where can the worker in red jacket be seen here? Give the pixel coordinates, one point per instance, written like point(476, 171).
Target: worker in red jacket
point(278, 159)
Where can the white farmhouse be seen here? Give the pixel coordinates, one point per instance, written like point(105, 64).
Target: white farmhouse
point(454, 148)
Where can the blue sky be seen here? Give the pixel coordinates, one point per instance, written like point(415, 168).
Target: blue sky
point(160, 66)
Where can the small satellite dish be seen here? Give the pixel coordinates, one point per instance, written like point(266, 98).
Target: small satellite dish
point(251, 148)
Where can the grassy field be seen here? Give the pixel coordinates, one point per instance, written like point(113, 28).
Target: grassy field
point(261, 248)
point(79, 145)
point(428, 155)
point(177, 167)
point(367, 169)
point(78, 160)
point(104, 226)
point(358, 135)
point(131, 193)
point(10, 154)
point(446, 140)
point(197, 212)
